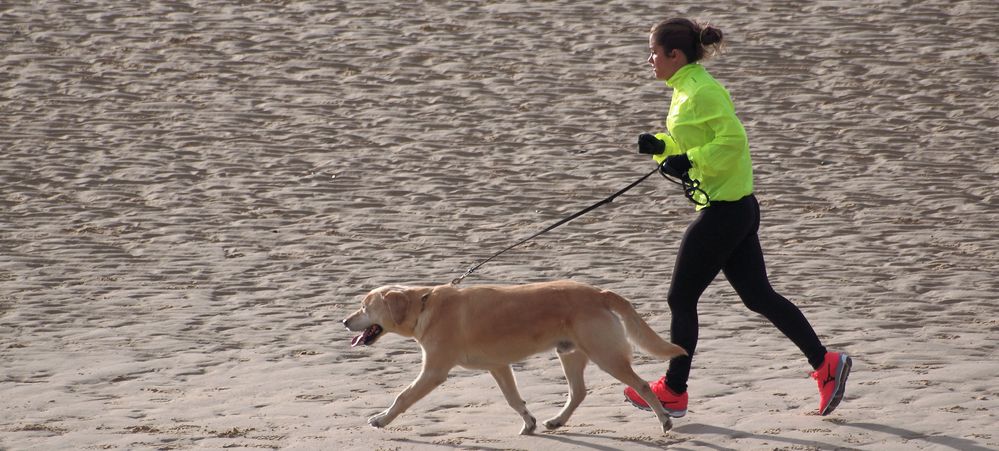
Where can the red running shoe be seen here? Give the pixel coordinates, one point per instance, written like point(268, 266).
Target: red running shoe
point(674, 404)
point(831, 377)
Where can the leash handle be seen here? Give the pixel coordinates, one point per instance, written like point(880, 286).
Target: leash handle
point(691, 188)
point(582, 212)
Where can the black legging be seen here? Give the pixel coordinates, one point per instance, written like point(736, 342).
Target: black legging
point(724, 238)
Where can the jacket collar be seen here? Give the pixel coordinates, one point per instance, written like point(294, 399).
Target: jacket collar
point(683, 74)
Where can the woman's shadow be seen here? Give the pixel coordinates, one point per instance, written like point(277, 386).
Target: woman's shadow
point(905, 434)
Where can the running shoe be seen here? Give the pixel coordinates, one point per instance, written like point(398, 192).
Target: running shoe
point(674, 404)
point(831, 377)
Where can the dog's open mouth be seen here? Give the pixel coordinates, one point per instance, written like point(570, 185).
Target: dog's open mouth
point(368, 336)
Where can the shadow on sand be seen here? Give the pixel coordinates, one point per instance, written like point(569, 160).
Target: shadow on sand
point(904, 434)
point(691, 431)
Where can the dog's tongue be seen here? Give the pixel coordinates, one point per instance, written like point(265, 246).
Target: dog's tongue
point(365, 336)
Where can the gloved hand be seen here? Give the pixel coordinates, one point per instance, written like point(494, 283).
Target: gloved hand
point(650, 145)
point(676, 165)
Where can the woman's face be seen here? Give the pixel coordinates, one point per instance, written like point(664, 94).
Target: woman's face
point(665, 64)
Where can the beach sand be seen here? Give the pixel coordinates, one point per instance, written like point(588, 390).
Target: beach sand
point(194, 194)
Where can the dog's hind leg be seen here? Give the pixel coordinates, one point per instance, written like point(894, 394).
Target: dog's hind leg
point(573, 364)
point(507, 384)
point(612, 353)
point(621, 370)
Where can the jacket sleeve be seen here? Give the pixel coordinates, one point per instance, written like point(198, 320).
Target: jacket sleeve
point(671, 147)
point(715, 113)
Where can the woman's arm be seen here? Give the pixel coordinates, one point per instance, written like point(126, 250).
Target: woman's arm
point(714, 118)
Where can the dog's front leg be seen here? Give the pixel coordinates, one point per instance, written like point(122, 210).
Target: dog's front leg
point(430, 377)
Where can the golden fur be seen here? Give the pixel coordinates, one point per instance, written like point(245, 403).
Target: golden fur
point(491, 327)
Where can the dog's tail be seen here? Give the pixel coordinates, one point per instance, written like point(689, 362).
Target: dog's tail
point(639, 331)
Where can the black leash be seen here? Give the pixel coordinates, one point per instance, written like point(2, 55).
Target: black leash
point(691, 189)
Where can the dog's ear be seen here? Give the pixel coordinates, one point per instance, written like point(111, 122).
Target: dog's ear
point(398, 305)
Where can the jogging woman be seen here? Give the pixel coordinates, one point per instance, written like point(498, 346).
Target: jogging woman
point(706, 142)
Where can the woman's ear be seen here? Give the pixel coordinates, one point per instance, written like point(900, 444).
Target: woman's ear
point(397, 303)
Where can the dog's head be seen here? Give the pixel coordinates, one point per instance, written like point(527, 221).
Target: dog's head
point(386, 309)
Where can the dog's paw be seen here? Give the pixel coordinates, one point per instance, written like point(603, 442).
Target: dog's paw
point(529, 427)
point(667, 425)
point(378, 421)
point(554, 423)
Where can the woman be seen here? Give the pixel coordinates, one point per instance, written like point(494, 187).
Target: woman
point(706, 142)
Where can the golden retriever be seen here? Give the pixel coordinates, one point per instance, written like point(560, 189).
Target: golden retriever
point(490, 327)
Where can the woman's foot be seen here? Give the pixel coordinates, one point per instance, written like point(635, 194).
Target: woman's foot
point(674, 404)
point(831, 377)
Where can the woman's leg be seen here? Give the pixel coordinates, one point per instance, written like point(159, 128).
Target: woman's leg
point(747, 273)
point(706, 246)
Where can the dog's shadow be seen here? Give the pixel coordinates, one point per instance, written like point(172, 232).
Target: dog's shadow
point(575, 440)
point(684, 435)
point(586, 441)
point(571, 439)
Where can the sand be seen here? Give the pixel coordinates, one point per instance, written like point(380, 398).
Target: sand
point(194, 194)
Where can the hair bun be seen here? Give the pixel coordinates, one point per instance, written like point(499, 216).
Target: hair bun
point(711, 35)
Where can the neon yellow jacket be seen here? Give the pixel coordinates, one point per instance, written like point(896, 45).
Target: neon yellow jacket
point(702, 122)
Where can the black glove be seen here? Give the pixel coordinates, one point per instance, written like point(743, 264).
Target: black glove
point(676, 165)
point(650, 145)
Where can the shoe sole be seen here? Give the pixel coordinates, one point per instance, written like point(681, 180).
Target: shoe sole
point(845, 363)
point(671, 413)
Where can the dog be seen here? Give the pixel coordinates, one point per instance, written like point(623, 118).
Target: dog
point(490, 327)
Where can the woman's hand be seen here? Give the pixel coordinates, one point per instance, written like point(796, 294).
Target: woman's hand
point(676, 165)
point(648, 144)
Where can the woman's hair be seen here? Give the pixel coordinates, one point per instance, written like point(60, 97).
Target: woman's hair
point(696, 41)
